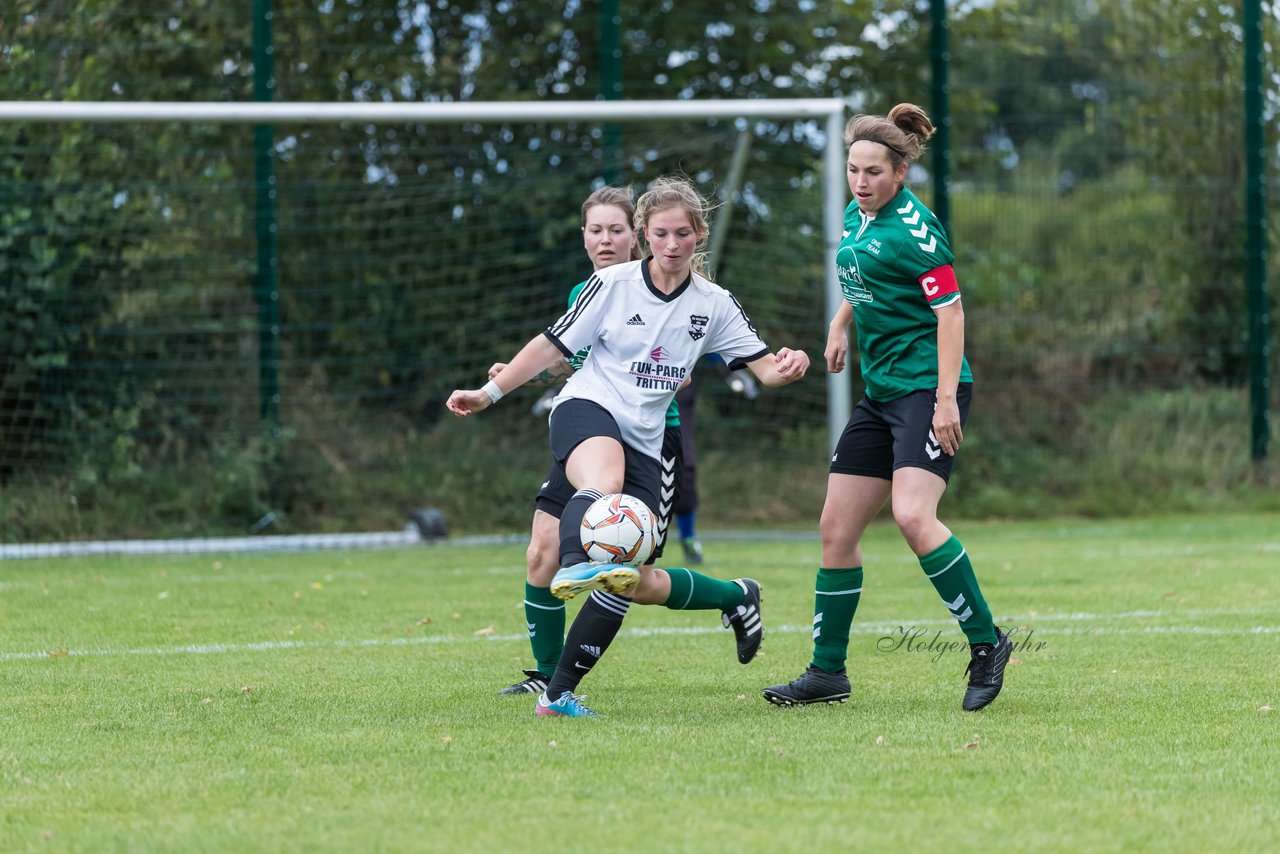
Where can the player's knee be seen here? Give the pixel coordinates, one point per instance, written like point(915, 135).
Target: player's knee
point(915, 523)
point(541, 561)
point(836, 536)
point(653, 588)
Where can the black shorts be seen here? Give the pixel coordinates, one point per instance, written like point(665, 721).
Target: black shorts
point(881, 438)
point(656, 485)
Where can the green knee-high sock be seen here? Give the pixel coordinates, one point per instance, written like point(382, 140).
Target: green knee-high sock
point(545, 615)
point(836, 595)
point(693, 591)
point(949, 569)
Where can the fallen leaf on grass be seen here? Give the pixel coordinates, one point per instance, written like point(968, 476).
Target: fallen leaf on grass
point(425, 621)
point(975, 744)
point(246, 689)
point(57, 653)
point(487, 630)
point(1015, 661)
point(741, 697)
point(447, 739)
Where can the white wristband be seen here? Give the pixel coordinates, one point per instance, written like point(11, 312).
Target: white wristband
point(491, 388)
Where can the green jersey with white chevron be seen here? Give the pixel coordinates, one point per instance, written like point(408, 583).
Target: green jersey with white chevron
point(883, 265)
point(575, 361)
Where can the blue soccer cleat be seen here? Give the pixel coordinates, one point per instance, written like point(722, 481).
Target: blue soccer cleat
point(586, 576)
point(568, 706)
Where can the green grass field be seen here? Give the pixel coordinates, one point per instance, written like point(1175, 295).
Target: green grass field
point(346, 701)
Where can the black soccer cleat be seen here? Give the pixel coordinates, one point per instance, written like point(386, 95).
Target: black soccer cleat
point(535, 683)
point(813, 686)
point(986, 671)
point(745, 620)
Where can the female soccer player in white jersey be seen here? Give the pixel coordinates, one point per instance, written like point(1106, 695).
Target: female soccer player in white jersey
point(608, 236)
point(647, 322)
point(894, 266)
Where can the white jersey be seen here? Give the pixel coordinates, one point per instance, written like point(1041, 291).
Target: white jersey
point(644, 343)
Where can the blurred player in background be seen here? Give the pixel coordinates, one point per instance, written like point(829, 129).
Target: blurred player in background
point(647, 322)
point(894, 266)
point(687, 499)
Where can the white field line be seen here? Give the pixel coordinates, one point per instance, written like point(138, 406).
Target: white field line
point(409, 538)
point(894, 629)
point(177, 577)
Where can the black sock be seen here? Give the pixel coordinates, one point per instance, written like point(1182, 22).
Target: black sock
point(571, 526)
point(592, 631)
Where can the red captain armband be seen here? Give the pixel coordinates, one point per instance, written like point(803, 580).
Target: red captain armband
point(939, 282)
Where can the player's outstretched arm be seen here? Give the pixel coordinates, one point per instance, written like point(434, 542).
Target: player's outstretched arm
point(554, 375)
point(779, 369)
point(535, 357)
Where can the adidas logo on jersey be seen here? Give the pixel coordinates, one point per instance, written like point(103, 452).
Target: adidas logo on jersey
point(637, 320)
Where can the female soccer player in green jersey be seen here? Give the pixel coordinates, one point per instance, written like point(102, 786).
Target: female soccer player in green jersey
point(894, 266)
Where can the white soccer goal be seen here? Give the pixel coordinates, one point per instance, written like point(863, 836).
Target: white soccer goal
point(222, 247)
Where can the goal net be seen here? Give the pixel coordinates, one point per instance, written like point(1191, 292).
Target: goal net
point(224, 312)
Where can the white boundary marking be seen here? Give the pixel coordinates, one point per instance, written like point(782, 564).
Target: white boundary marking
point(408, 538)
point(893, 627)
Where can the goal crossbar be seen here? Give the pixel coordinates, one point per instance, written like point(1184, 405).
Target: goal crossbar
point(433, 112)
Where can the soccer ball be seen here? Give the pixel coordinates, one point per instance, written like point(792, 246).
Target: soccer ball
point(618, 528)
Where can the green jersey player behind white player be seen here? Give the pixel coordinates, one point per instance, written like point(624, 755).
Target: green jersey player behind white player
point(895, 270)
point(608, 236)
point(647, 322)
